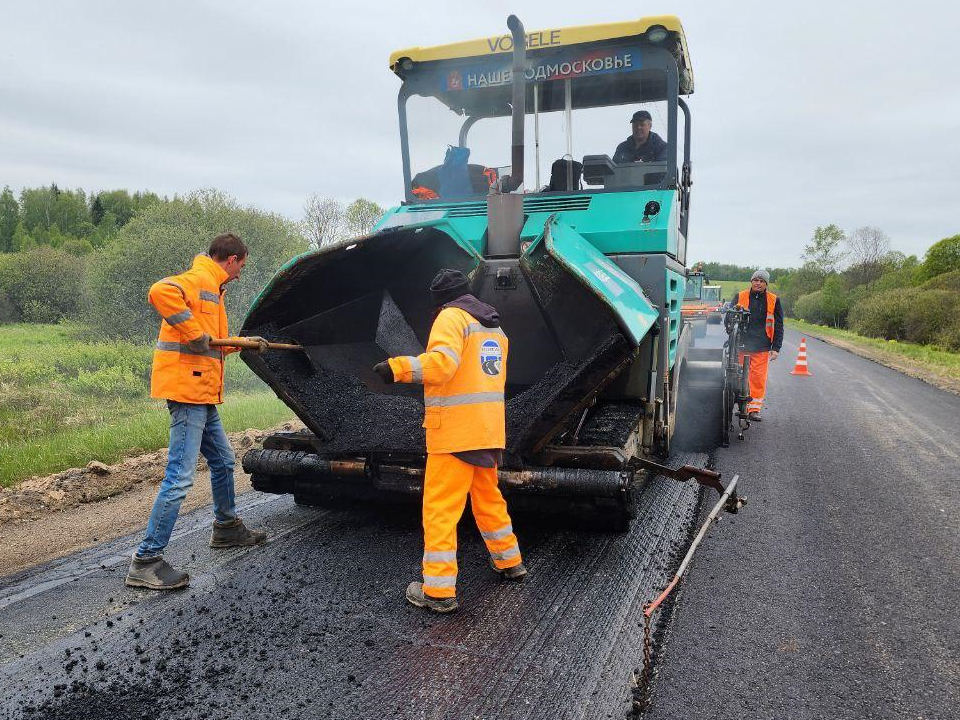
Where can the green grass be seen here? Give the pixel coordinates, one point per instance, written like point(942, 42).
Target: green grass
point(934, 358)
point(141, 429)
point(66, 399)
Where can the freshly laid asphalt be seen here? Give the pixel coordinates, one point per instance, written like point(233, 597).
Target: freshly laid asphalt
point(833, 594)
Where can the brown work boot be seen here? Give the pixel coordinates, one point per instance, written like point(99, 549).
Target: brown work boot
point(155, 573)
point(234, 533)
point(416, 596)
point(517, 572)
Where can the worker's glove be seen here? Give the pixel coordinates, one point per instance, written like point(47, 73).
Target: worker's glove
point(264, 345)
point(385, 372)
point(200, 344)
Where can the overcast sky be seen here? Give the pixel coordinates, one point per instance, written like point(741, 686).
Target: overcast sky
point(803, 114)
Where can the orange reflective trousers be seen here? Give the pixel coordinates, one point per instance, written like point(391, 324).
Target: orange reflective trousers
point(759, 361)
point(447, 483)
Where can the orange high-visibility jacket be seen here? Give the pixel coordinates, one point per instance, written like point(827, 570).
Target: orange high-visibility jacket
point(190, 304)
point(463, 372)
point(744, 301)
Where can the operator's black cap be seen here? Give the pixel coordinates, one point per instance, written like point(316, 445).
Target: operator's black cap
point(448, 285)
point(641, 115)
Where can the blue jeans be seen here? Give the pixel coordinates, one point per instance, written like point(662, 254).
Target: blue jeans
point(194, 429)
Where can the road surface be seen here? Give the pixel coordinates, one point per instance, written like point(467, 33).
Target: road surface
point(832, 595)
point(835, 594)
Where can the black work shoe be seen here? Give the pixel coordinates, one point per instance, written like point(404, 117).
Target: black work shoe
point(518, 572)
point(234, 533)
point(416, 596)
point(754, 417)
point(155, 573)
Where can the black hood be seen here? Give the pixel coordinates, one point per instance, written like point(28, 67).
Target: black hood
point(486, 315)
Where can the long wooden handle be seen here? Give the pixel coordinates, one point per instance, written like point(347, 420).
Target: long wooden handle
point(248, 344)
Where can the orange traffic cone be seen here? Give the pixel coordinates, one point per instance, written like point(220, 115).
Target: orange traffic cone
point(801, 367)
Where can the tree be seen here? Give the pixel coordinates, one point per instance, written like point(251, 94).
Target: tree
point(41, 208)
point(22, 240)
point(324, 221)
point(834, 300)
point(96, 211)
point(796, 284)
point(163, 240)
point(361, 216)
point(9, 218)
point(868, 246)
point(942, 257)
point(42, 284)
point(823, 253)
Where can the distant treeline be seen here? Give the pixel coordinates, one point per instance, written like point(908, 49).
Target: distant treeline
point(66, 219)
point(854, 280)
point(726, 271)
point(91, 258)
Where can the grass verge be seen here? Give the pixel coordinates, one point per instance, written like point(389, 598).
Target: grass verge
point(923, 358)
point(143, 428)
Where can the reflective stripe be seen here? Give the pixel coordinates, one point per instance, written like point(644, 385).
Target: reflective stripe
point(467, 399)
point(416, 368)
point(497, 534)
point(440, 556)
point(478, 328)
point(440, 580)
point(506, 554)
point(187, 350)
point(178, 286)
point(212, 297)
point(179, 317)
point(449, 352)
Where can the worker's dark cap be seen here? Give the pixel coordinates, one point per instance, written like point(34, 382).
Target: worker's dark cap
point(448, 285)
point(641, 115)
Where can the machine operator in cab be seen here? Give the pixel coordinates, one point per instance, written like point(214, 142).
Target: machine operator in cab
point(463, 373)
point(643, 145)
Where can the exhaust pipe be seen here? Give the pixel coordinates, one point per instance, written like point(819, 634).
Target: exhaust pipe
point(519, 103)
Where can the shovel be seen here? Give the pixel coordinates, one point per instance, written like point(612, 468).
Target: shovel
point(247, 344)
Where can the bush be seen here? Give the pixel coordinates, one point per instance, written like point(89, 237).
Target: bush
point(882, 315)
point(926, 319)
point(949, 338)
point(809, 307)
point(946, 281)
point(110, 382)
point(919, 315)
point(41, 285)
point(942, 257)
point(163, 241)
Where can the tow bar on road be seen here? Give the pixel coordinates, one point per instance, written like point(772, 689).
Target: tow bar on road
point(728, 497)
point(703, 476)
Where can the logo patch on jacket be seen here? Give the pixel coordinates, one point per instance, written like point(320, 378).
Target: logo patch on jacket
point(491, 357)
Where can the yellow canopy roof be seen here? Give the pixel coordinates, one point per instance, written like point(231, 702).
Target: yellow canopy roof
point(552, 38)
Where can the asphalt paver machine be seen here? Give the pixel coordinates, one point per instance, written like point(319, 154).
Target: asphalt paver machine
point(587, 270)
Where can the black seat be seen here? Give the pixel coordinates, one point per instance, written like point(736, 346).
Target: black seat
point(563, 170)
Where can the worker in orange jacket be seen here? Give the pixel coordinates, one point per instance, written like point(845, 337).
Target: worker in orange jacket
point(763, 337)
point(463, 373)
point(188, 374)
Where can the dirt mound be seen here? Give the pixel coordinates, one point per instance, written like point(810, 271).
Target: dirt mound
point(39, 496)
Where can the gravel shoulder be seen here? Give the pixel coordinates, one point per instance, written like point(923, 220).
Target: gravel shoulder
point(44, 518)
